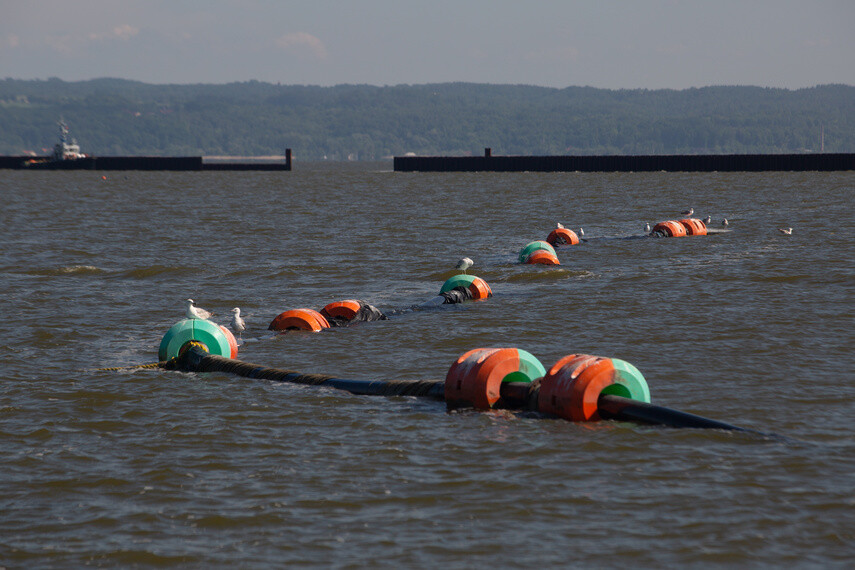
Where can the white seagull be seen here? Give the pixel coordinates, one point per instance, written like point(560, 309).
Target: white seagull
point(724, 223)
point(581, 232)
point(647, 227)
point(238, 324)
point(787, 231)
point(560, 225)
point(707, 220)
point(194, 312)
point(688, 212)
point(464, 264)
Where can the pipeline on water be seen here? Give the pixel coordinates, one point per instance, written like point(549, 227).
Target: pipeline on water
point(514, 395)
point(578, 387)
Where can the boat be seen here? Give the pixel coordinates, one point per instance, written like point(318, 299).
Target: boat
point(67, 156)
point(63, 150)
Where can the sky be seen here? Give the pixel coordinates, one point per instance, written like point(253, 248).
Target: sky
point(613, 44)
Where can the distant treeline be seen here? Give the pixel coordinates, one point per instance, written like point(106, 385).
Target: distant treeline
point(363, 122)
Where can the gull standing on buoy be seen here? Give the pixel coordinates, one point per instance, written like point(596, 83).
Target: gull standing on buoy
point(238, 324)
point(560, 225)
point(786, 231)
point(194, 312)
point(688, 212)
point(464, 264)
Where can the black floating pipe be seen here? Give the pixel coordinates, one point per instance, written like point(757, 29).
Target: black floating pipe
point(612, 407)
point(195, 359)
point(514, 395)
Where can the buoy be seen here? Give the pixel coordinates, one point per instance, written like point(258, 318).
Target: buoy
point(542, 257)
point(476, 377)
point(346, 310)
point(694, 227)
point(669, 229)
point(572, 387)
point(210, 334)
point(232, 341)
point(560, 236)
point(480, 289)
point(532, 246)
point(301, 319)
point(477, 286)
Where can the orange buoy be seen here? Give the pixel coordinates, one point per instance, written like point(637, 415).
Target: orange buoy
point(572, 387)
point(475, 379)
point(346, 309)
point(694, 227)
point(480, 289)
point(560, 236)
point(542, 257)
point(301, 319)
point(232, 342)
point(669, 229)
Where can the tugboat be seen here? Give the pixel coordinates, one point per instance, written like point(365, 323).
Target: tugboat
point(64, 151)
point(65, 155)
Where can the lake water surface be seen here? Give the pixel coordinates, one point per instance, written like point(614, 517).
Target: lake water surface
point(149, 468)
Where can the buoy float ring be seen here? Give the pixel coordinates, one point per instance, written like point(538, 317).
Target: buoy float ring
point(694, 227)
point(480, 289)
point(300, 319)
point(669, 229)
point(345, 310)
point(232, 341)
point(542, 257)
point(457, 281)
point(476, 286)
point(206, 332)
point(572, 387)
point(476, 377)
point(533, 246)
point(560, 236)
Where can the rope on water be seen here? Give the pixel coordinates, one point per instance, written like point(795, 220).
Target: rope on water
point(134, 367)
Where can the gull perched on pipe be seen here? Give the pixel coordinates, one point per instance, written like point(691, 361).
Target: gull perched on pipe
point(194, 312)
point(464, 264)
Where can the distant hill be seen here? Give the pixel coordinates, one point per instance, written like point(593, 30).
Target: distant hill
point(120, 117)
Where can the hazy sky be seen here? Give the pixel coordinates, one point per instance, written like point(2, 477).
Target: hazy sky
point(557, 43)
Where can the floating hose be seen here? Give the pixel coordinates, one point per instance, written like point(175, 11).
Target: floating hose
point(496, 373)
point(196, 360)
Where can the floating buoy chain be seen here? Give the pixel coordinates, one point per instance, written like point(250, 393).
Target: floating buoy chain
point(579, 387)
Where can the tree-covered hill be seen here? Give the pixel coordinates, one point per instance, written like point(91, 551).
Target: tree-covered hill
point(120, 117)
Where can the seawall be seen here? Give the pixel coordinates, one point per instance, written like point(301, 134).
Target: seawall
point(622, 163)
point(138, 163)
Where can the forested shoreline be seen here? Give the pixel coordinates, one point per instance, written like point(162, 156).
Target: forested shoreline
point(364, 122)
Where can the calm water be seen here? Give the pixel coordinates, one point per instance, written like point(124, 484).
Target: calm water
point(149, 468)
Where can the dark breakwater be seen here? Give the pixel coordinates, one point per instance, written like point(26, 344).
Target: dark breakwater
point(174, 163)
point(638, 163)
